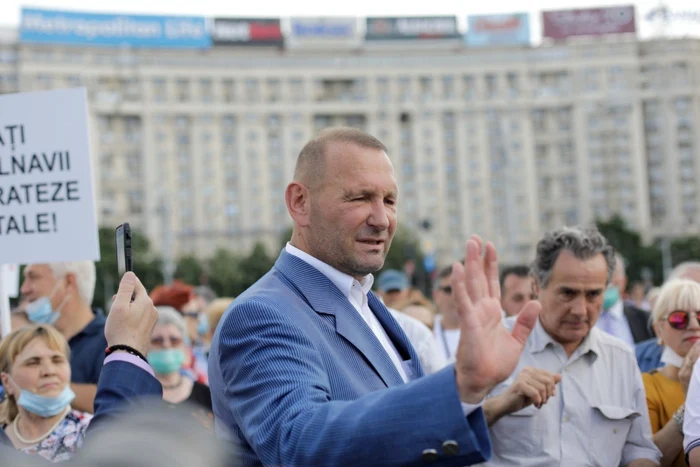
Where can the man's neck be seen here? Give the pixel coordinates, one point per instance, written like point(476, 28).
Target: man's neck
point(72, 321)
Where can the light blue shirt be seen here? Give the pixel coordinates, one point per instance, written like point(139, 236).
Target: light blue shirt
point(614, 322)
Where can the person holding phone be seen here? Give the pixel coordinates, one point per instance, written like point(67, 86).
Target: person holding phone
point(60, 294)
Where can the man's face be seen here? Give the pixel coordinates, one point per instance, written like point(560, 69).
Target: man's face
point(517, 291)
point(573, 298)
point(353, 210)
point(395, 296)
point(39, 281)
point(442, 296)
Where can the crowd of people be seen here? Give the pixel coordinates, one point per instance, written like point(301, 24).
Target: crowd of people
point(554, 363)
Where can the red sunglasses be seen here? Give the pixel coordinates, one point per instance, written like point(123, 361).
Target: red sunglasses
point(680, 319)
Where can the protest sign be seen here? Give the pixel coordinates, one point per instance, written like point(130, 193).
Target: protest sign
point(47, 210)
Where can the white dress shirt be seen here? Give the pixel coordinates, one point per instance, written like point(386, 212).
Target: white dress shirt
point(422, 340)
point(356, 293)
point(614, 322)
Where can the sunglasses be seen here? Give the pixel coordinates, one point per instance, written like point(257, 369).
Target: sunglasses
point(160, 340)
point(680, 319)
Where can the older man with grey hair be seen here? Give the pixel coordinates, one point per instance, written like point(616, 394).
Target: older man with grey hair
point(576, 396)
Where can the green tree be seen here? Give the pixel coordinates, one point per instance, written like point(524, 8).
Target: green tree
point(189, 270)
point(628, 243)
point(146, 265)
point(225, 274)
point(685, 249)
point(255, 265)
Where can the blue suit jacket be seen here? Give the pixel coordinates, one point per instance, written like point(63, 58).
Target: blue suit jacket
point(298, 378)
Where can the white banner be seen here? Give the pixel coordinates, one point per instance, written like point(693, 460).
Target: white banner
point(47, 208)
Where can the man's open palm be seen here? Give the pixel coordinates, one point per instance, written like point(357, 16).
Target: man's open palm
point(487, 353)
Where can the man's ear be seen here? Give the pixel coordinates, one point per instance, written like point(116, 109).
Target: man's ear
point(298, 199)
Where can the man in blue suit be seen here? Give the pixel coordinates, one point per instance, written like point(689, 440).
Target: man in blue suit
point(307, 367)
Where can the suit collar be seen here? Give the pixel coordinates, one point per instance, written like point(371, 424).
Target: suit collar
point(325, 298)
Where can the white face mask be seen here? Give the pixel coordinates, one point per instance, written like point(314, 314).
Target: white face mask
point(670, 357)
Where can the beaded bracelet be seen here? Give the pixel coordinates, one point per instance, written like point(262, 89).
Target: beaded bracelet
point(126, 349)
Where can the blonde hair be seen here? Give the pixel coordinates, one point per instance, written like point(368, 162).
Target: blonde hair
point(677, 294)
point(216, 310)
point(13, 345)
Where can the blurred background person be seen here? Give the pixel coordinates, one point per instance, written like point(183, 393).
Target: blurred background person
point(166, 356)
point(627, 323)
point(636, 297)
point(181, 296)
point(446, 328)
point(156, 437)
point(36, 416)
point(649, 352)
point(517, 288)
point(393, 287)
point(675, 315)
point(215, 310)
point(61, 294)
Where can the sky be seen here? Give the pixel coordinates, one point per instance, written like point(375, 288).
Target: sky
point(10, 9)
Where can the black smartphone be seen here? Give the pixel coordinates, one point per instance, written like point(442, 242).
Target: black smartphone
point(124, 259)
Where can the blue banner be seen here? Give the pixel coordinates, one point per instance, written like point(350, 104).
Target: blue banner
point(63, 27)
point(498, 30)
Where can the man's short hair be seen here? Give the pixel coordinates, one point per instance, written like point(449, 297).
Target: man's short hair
point(85, 276)
point(583, 242)
point(684, 268)
point(519, 270)
point(311, 161)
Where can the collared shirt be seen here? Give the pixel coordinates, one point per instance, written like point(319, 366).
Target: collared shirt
point(356, 293)
point(614, 322)
point(598, 416)
point(87, 351)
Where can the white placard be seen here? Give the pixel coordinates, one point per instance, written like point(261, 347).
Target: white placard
point(11, 280)
point(47, 208)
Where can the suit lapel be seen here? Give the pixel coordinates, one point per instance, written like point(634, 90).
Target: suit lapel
point(324, 297)
point(395, 333)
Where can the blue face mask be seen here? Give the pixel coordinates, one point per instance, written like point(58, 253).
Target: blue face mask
point(203, 324)
point(41, 311)
point(45, 406)
point(612, 296)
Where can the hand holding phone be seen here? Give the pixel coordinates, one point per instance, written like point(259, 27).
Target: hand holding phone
point(124, 258)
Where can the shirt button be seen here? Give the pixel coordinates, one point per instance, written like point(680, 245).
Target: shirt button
point(430, 455)
point(566, 419)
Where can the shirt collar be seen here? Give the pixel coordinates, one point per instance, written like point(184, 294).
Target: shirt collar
point(540, 339)
point(617, 311)
point(343, 281)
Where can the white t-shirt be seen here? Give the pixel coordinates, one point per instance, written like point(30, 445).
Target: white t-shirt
point(691, 422)
point(446, 339)
point(422, 340)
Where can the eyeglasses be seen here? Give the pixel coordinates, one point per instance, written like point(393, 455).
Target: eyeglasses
point(446, 289)
point(160, 340)
point(680, 319)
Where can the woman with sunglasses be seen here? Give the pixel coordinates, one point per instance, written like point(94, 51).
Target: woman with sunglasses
point(675, 318)
point(166, 356)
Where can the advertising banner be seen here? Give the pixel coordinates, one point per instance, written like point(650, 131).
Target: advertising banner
point(495, 30)
point(588, 22)
point(331, 32)
point(412, 27)
point(73, 28)
point(247, 31)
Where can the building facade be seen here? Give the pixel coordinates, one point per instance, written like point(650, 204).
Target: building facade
point(195, 148)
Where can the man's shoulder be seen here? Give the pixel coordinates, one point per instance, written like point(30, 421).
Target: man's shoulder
point(614, 346)
point(411, 326)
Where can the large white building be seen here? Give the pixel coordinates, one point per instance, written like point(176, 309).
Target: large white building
point(194, 148)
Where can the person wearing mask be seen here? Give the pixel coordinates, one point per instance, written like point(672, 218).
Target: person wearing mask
point(576, 396)
point(36, 416)
point(516, 289)
point(627, 323)
point(446, 328)
point(166, 356)
point(61, 294)
point(676, 324)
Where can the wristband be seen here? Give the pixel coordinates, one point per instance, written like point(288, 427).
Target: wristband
point(126, 349)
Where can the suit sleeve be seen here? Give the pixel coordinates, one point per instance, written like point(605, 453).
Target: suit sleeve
point(122, 385)
point(278, 392)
